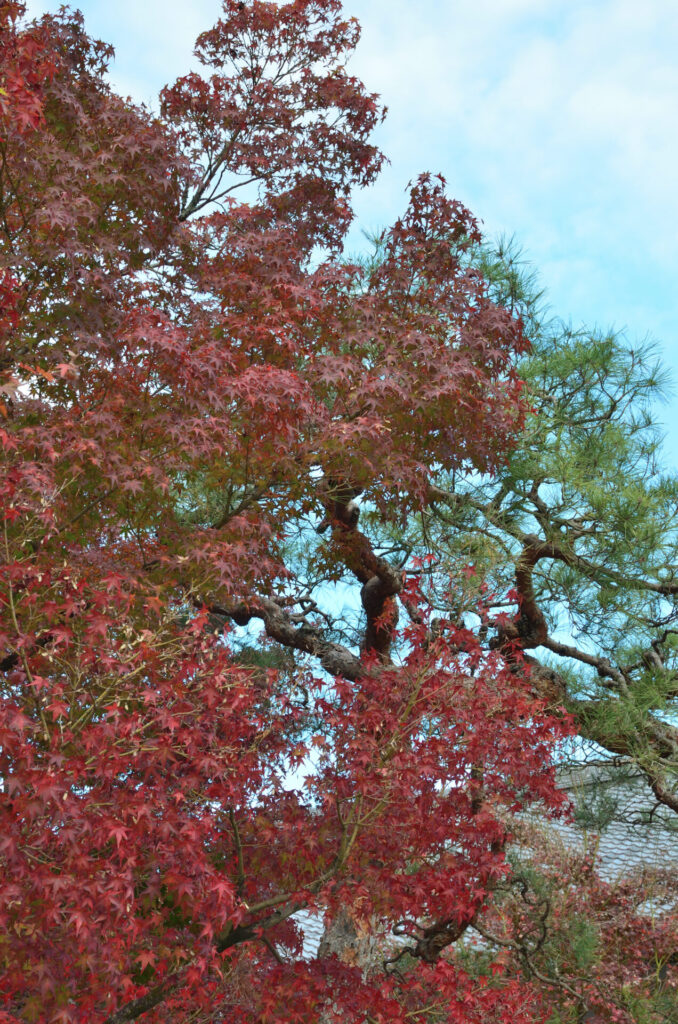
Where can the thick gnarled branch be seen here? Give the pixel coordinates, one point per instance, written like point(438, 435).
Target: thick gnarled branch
point(306, 638)
point(381, 582)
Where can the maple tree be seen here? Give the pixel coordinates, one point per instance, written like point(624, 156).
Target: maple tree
point(211, 421)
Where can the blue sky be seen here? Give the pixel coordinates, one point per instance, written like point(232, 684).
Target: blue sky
point(553, 120)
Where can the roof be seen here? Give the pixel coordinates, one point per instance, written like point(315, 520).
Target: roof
point(616, 813)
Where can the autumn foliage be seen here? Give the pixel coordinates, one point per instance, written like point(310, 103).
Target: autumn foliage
point(195, 389)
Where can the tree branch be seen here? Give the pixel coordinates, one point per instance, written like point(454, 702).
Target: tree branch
point(335, 658)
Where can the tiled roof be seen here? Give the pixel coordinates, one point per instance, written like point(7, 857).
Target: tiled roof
point(312, 927)
point(617, 815)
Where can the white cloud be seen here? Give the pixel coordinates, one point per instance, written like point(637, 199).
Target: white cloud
point(556, 112)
